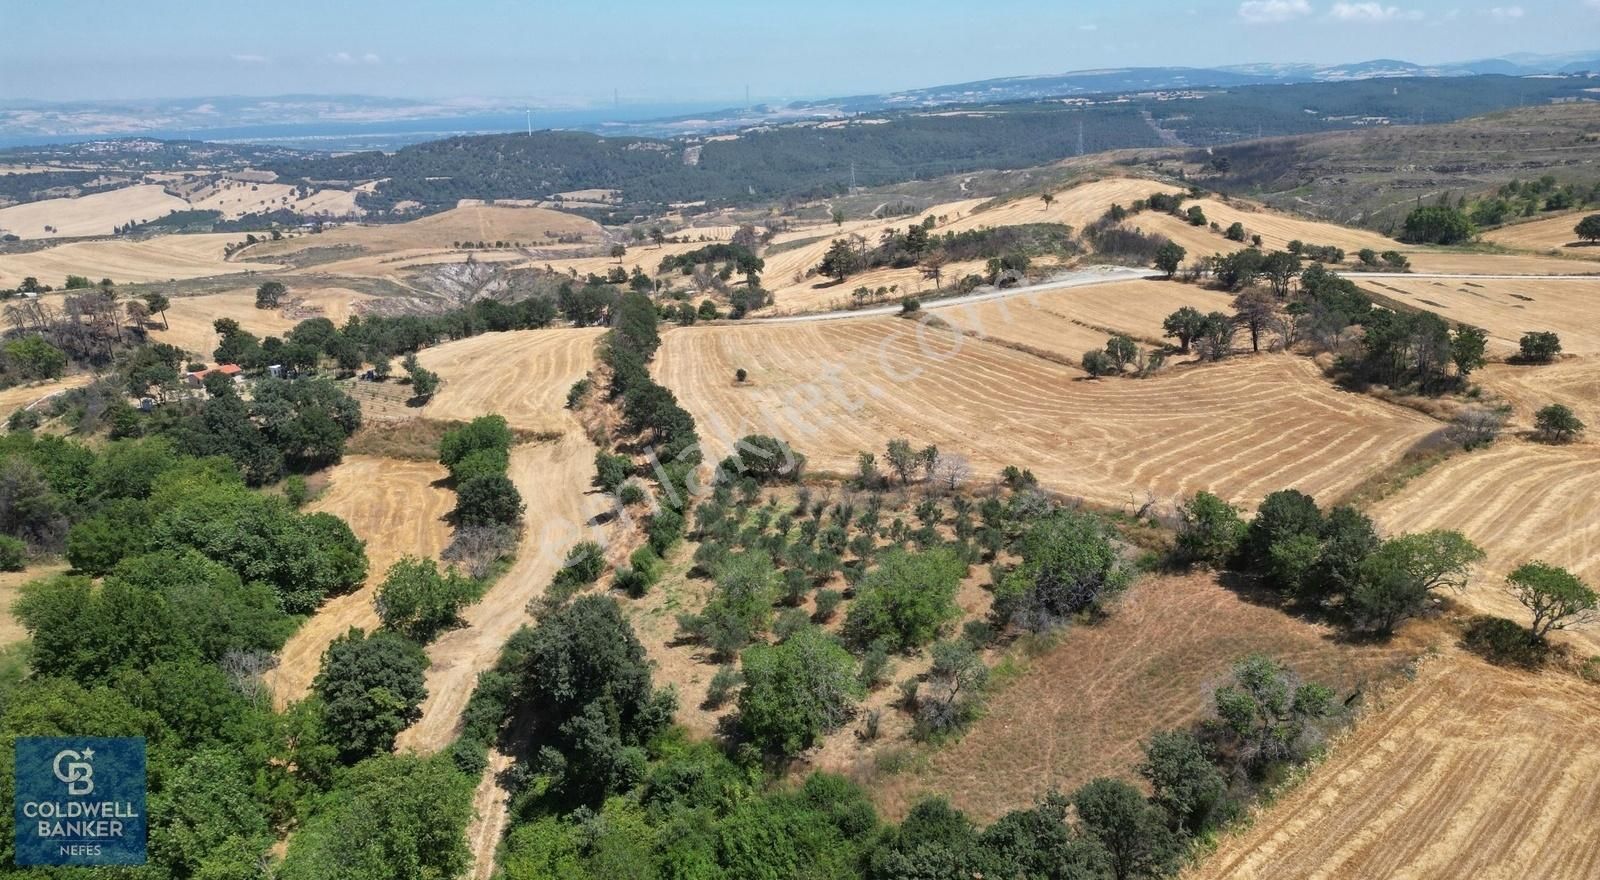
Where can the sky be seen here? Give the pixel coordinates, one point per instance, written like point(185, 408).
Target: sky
point(698, 50)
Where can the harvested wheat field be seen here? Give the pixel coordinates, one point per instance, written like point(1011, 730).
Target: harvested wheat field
point(486, 223)
point(1076, 206)
point(1470, 771)
point(1550, 234)
point(1574, 382)
point(18, 396)
point(235, 198)
point(523, 375)
point(191, 317)
point(396, 507)
point(554, 480)
point(96, 214)
point(1518, 501)
point(1067, 322)
point(162, 258)
point(1447, 262)
point(1083, 708)
point(1276, 230)
point(1242, 428)
point(1506, 308)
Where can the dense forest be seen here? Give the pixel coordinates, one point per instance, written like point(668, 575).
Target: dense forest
point(809, 160)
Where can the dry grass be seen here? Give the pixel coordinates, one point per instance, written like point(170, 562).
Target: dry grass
point(1083, 708)
point(1276, 230)
point(1458, 263)
point(19, 396)
point(1471, 771)
point(396, 507)
point(161, 258)
point(97, 214)
point(1574, 382)
point(1519, 501)
point(1243, 428)
point(487, 223)
point(1507, 309)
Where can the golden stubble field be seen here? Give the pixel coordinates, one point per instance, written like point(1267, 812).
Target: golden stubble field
point(1506, 308)
point(1470, 771)
point(190, 319)
point(523, 375)
point(398, 508)
point(95, 214)
point(1243, 428)
point(161, 258)
point(1549, 234)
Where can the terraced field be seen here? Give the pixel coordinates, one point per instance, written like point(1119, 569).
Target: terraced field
point(397, 508)
point(1243, 428)
point(1067, 322)
point(523, 375)
point(1519, 501)
point(1506, 308)
point(1471, 771)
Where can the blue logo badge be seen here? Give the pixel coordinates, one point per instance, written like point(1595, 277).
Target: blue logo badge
point(80, 800)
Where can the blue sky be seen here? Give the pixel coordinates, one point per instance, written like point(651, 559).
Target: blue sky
point(710, 49)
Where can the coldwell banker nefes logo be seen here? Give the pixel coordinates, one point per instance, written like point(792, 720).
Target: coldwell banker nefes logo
point(80, 801)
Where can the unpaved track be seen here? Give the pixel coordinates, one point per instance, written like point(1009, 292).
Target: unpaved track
point(1469, 772)
point(554, 481)
point(20, 396)
point(397, 508)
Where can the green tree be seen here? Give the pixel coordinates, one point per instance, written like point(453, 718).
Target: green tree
point(270, 294)
point(1209, 530)
point(1235, 231)
point(740, 607)
point(158, 304)
point(483, 432)
point(371, 689)
point(1588, 229)
point(1348, 538)
point(1269, 709)
point(1398, 578)
point(841, 261)
point(1121, 350)
point(1557, 423)
point(30, 357)
point(901, 458)
point(418, 601)
point(1540, 346)
point(1169, 257)
point(797, 691)
point(1196, 216)
point(488, 499)
point(1436, 224)
point(1282, 515)
point(1183, 780)
point(1467, 349)
point(1184, 325)
point(1133, 832)
point(1069, 565)
point(204, 822)
point(394, 817)
point(906, 599)
point(1554, 597)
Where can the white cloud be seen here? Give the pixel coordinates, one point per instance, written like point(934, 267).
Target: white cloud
point(1272, 11)
point(1367, 13)
point(348, 58)
point(250, 59)
point(1512, 13)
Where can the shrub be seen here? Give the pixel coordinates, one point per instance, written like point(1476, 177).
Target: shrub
point(13, 554)
point(1209, 530)
point(295, 489)
point(797, 691)
point(827, 604)
point(631, 493)
point(723, 684)
point(577, 393)
point(1503, 642)
point(584, 563)
point(1069, 565)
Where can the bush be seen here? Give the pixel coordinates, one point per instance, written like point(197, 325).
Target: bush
point(723, 684)
point(13, 554)
point(1504, 643)
point(23, 420)
point(296, 490)
point(1069, 566)
point(906, 599)
point(630, 494)
point(827, 605)
point(797, 691)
